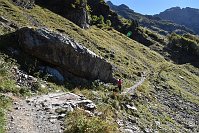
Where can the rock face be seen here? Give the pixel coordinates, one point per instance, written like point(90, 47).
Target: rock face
point(64, 53)
point(75, 11)
point(79, 16)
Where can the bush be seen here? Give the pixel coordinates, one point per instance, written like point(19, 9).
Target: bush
point(80, 122)
point(108, 23)
point(100, 21)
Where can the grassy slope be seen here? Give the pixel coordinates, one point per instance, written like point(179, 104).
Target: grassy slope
point(128, 57)
point(5, 84)
point(3, 103)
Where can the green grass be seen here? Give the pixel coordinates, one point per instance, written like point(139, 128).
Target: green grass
point(4, 104)
point(80, 122)
point(6, 82)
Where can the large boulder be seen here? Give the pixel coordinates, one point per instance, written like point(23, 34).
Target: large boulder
point(64, 53)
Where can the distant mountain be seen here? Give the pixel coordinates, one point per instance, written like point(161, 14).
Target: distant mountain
point(185, 16)
point(152, 22)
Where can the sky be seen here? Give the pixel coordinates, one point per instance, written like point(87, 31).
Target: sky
point(151, 7)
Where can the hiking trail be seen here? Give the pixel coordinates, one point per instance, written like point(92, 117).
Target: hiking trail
point(132, 89)
point(45, 113)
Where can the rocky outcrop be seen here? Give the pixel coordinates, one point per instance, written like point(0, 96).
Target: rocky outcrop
point(75, 11)
point(64, 53)
point(79, 16)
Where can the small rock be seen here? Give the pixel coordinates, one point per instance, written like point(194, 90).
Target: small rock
point(17, 108)
point(90, 107)
point(61, 110)
point(147, 130)
point(52, 121)
point(43, 86)
point(89, 113)
point(128, 131)
point(53, 117)
point(33, 79)
point(133, 108)
point(98, 113)
point(120, 123)
point(135, 128)
point(15, 103)
point(56, 104)
point(28, 101)
point(157, 123)
point(48, 108)
point(132, 119)
point(61, 116)
point(18, 87)
point(25, 76)
point(70, 109)
point(12, 118)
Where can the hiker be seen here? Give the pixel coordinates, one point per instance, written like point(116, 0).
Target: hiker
point(119, 84)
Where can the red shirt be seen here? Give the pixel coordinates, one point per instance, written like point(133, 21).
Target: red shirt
point(119, 82)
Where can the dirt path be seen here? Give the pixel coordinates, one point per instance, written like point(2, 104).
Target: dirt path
point(40, 114)
point(132, 89)
point(29, 117)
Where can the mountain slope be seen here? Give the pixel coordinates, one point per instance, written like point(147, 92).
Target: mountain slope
point(151, 22)
point(188, 17)
point(166, 102)
point(151, 27)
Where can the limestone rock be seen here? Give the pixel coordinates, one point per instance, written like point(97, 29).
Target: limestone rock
point(68, 56)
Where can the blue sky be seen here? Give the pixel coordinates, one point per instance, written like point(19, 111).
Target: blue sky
point(151, 7)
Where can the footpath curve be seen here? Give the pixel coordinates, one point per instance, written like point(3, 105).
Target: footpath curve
point(132, 89)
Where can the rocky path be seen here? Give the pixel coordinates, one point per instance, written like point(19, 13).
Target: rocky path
point(44, 114)
point(132, 89)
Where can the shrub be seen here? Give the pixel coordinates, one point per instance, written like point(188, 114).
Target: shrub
point(108, 23)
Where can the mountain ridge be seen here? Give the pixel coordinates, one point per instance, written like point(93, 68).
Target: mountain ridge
point(185, 16)
point(152, 22)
